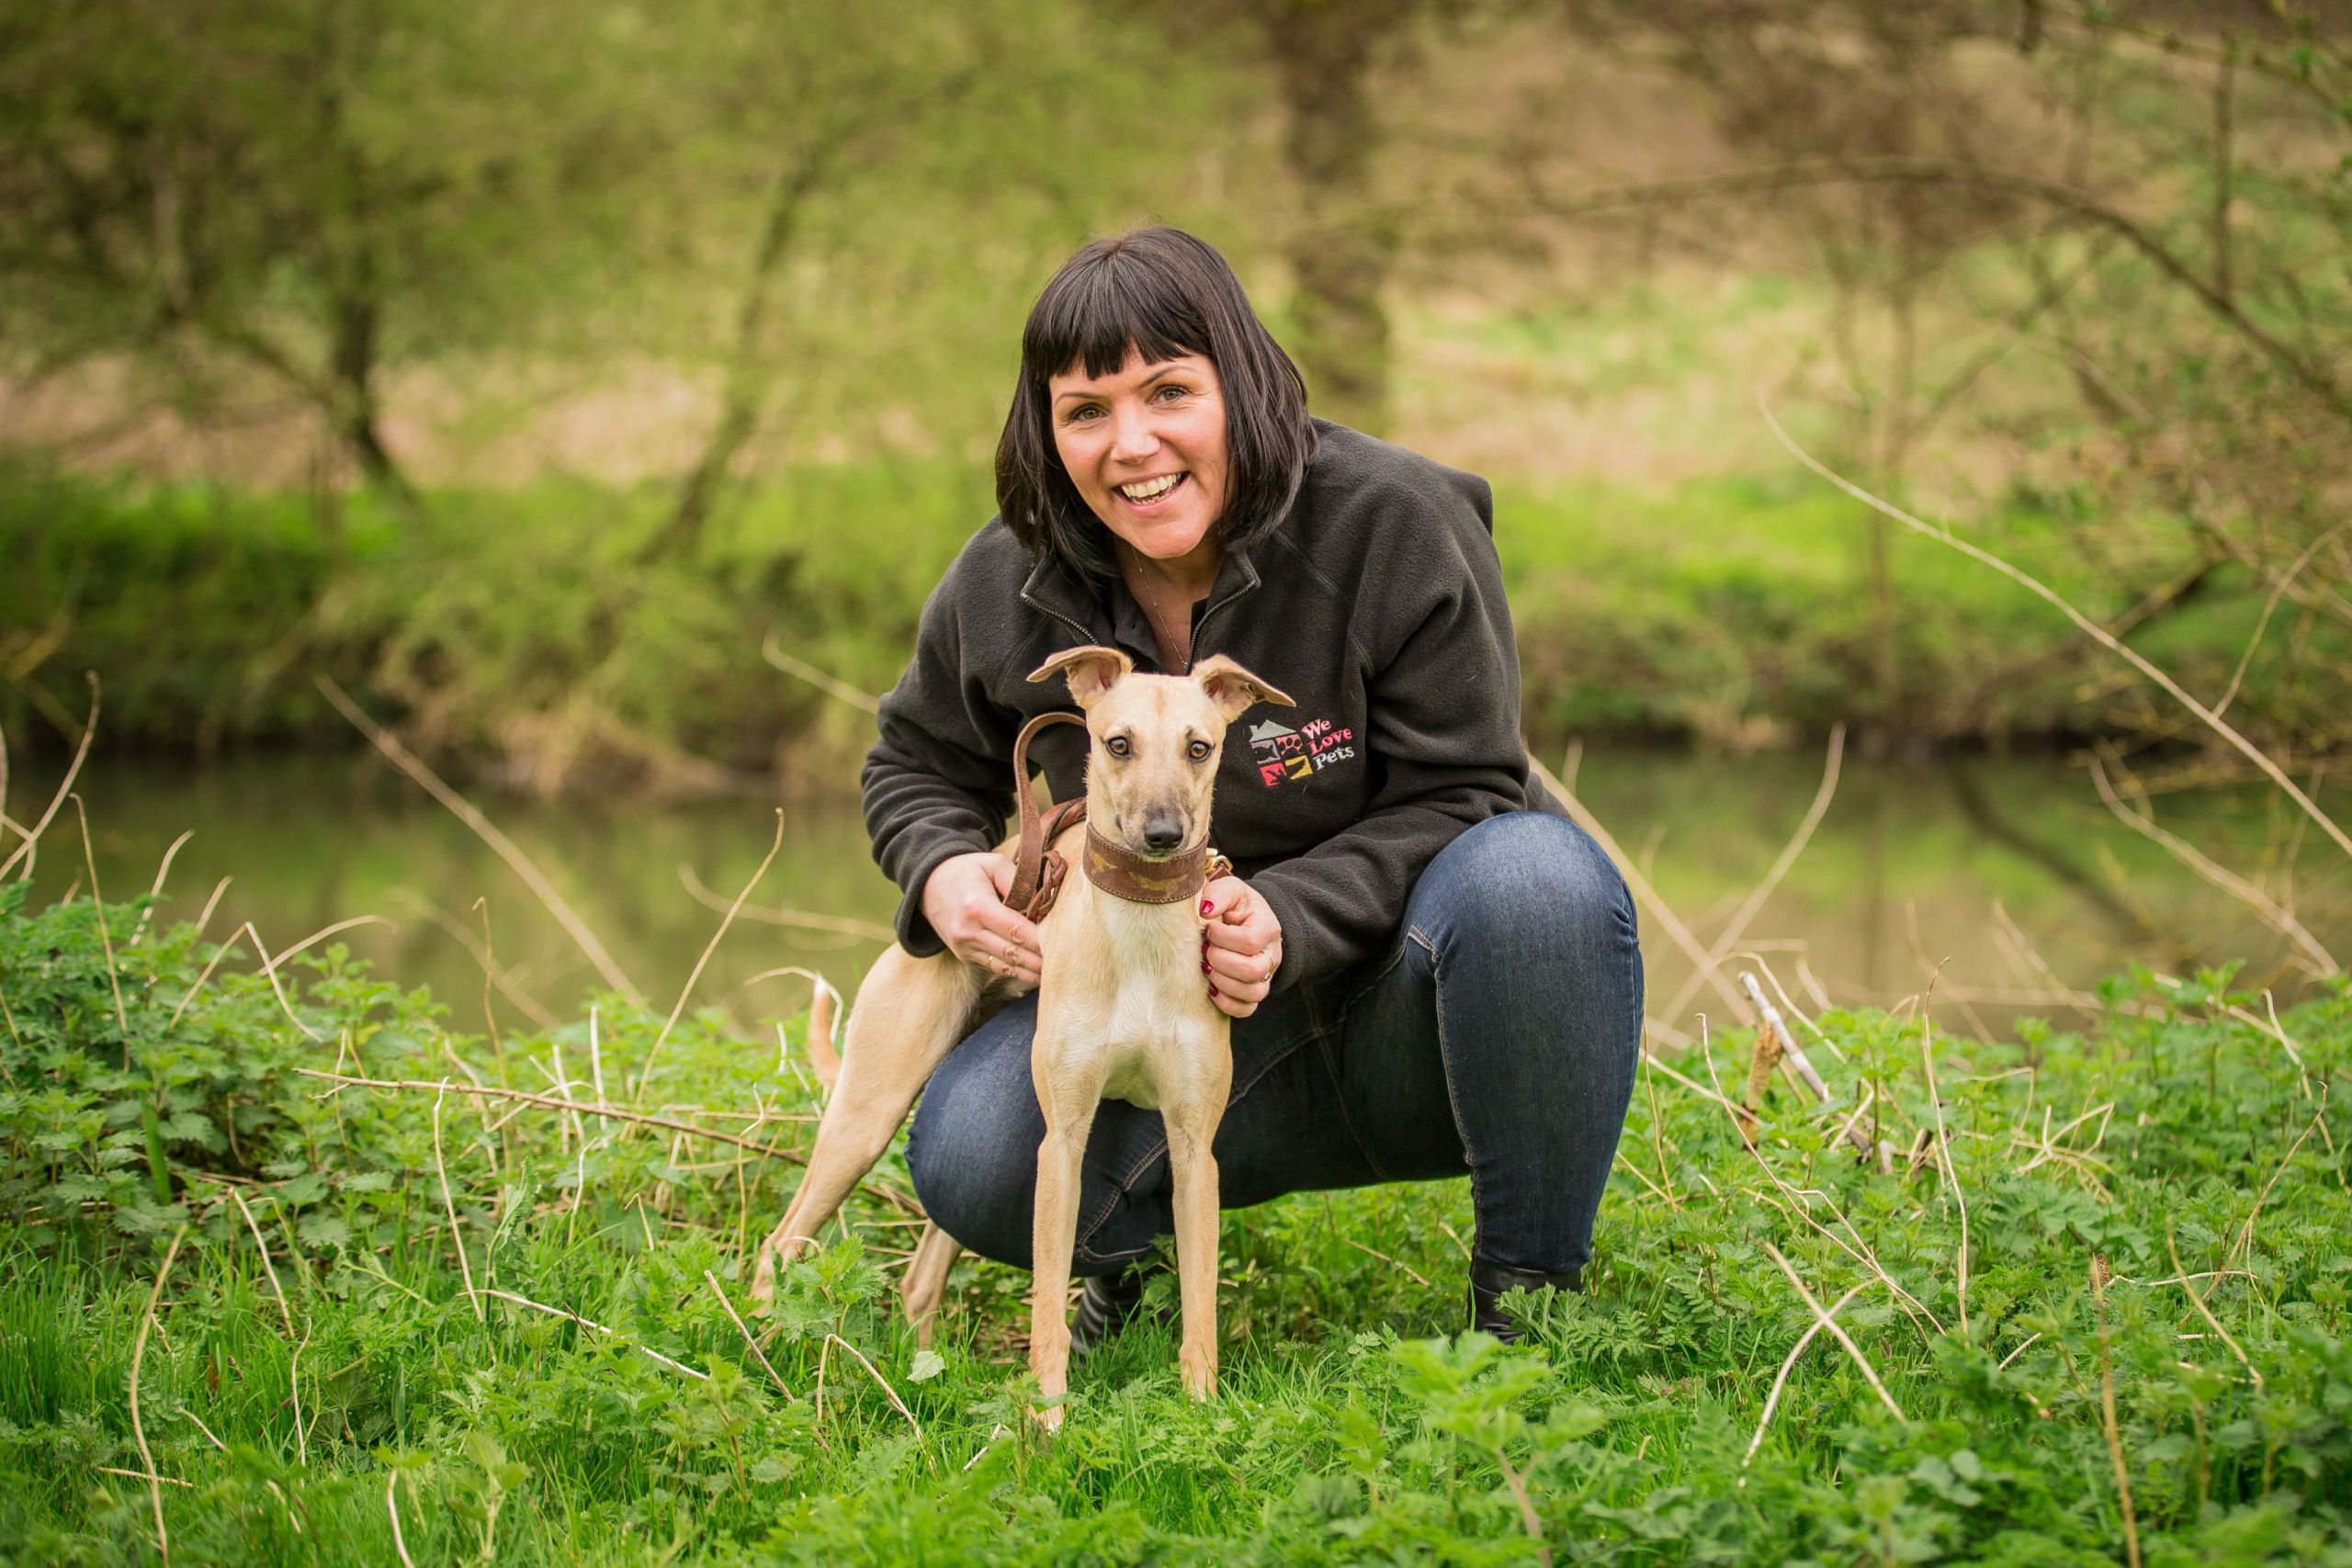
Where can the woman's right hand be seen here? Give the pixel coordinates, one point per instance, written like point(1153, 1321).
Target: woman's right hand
point(964, 901)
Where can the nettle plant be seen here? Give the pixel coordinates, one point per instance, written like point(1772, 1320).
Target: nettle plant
point(139, 1061)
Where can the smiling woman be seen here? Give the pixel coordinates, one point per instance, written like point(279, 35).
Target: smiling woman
point(1145, 448)
point(1430, 968)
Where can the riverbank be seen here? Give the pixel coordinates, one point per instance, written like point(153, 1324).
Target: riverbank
point(533, 635)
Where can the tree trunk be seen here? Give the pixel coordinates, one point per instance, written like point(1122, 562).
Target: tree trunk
point(357, 322)
point(1340, 254)
point(739, 398)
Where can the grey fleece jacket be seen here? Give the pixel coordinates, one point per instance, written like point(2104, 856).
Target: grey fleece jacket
point(1377, 603)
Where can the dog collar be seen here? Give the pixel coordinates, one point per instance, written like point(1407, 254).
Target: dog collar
point(1122, 874)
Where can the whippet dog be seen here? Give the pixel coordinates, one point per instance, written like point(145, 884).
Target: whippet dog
point(1123, 1012)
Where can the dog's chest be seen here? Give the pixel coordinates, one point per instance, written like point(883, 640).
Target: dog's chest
point(1158, 1018)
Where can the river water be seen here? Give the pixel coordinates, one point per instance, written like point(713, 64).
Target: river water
point(2006, 875)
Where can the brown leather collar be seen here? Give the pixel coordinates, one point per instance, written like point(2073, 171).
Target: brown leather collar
point(1038, 871)
point(1122, 874)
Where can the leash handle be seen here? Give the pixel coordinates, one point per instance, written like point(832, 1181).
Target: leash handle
point(1032, 873)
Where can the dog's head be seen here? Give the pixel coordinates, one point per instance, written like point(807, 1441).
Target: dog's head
point(1155, 742)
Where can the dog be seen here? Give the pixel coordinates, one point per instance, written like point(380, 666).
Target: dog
point(1123, 1012)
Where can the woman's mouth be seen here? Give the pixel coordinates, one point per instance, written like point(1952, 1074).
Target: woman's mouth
point(1150, 495)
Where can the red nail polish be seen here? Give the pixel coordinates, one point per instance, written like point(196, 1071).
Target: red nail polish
point(1214, 991)
point(1205, 965)
point(1207, 907)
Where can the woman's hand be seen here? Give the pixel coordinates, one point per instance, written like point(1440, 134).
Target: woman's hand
point(1241, 946)
point(964, 901)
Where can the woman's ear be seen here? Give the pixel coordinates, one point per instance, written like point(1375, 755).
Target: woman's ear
point(1232, 688)
point(1092, 671)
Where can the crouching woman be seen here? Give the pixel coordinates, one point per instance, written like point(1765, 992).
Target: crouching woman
point(1429, 967)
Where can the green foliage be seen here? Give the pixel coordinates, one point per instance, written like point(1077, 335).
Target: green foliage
point(522, 626)
point(1342, 1431)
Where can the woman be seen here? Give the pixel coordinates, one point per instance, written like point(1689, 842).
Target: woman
point(1430, 968)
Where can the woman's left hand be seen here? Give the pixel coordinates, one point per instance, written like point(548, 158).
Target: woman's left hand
point(1241, 946)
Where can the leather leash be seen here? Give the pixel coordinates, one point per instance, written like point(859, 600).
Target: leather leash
point(1038, 870)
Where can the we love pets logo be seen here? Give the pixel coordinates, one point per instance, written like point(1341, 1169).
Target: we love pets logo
point(1284, 754)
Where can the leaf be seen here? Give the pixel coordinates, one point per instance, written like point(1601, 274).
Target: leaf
point(193, 1127)
point(324, 1230)
point(308, 1187)
point(928, 1364)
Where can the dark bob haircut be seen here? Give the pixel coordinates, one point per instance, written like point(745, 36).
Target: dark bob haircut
point(1166, 293)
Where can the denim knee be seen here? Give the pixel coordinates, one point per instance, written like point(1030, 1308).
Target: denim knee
point(1528, 885)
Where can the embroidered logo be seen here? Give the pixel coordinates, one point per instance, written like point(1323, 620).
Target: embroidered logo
point(1283, 754)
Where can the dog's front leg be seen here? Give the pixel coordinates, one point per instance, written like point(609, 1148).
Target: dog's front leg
point(1191, 1121)
point(1067, 1096)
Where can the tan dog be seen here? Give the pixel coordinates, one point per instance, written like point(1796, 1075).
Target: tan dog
point(1123, 1014)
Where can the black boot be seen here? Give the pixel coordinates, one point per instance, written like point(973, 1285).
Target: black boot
point(1108, 1302)
point(1489, 1280)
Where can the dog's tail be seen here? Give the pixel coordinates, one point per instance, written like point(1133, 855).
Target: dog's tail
point(823, 1009)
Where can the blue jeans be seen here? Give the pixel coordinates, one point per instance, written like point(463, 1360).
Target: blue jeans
point(1499, 1035)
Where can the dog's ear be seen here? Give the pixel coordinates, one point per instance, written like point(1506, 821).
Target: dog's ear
point(1092, 671)
point(1232, 688)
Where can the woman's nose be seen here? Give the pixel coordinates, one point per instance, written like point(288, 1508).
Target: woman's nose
point(1132, 438)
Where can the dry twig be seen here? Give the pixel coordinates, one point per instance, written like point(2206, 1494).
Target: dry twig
point(441, 1169)
point(2172, 688)
point(505, 848)
point(645, 1351)
point(1943, 1149)
point(885, 1382)
point(25, 852)
point(645, 1073)
point(1827, 1321)
point(2274, 915)
point(1640, 887)
point(833, 687)
point(1729, 938)
point(138, 1355)
point(2197, 1300)
point(105, 942)
point(804, 919)
point(2106, 1413)
point(1773, 1399)
point(758, 1354)
point(347, 1081)
point(400, 1541)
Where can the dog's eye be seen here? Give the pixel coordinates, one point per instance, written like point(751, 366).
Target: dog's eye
point(1199, 750)
point(1117, 746)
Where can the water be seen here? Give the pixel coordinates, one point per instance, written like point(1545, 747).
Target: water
point(2004, 875)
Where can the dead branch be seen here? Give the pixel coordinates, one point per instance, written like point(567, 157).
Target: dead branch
point(550, 1102)
point(506, 849)
point(2273, 915)
point(2171, 687)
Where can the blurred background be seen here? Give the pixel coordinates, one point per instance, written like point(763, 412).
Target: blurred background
point(595, 392)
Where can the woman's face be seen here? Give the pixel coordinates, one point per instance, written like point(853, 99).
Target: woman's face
point(1146, 446)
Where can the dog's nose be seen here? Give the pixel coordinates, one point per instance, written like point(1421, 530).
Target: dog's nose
point(1163, 835)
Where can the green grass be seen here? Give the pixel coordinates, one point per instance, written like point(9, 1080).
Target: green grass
point(1347, 1425)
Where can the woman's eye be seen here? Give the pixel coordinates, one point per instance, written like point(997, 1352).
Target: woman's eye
point(1117, 746)
point(1083, 411)
point(1168, 392)
point(1199, 750)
